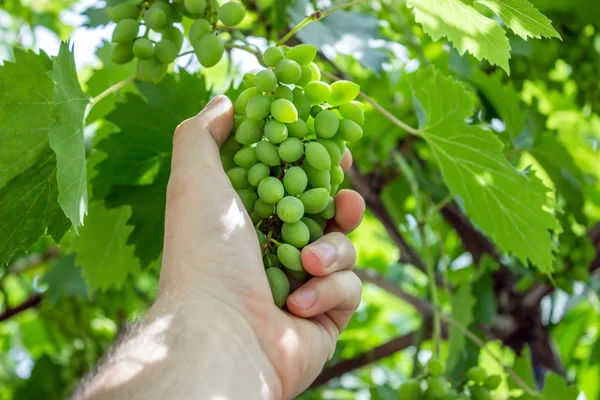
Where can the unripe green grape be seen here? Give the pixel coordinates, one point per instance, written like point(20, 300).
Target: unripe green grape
point(240, 104)
point(272, 56)
point(315, 200)
point(303, 54)
point(410, 390)
point(290, 209)
point(195, 6)
point(249, 132)
point(435, 367)
point(165, 51)
point(479, 393)
point(248, 79)
point(270, 190)
point(327, 124)
point(477, 375)
point(258, 108)
point(343, 92)
point(284, 92)
point(167, 8)
point(298, 129)
point(261, 237)
point(337, 175)
point(248, 197)
point(264, 210)
point(209, 50)
point(315, 110)
point(147, 70)
point(246, 157)
point(162, 72)
point(267, 153)
point(301, 103)
point(271, 261)
point(284, 111)
point(290, 257)
point(333, 190)
point(316, 72)
point(306, 77)
point(254, 217)
point(492, 382)
point(317, 178)
point(329, 211)
point(437, 388)
point(239, 178)
point(298, 275)
point(334, 151)
point(295, 181)
point(353, 111)
point(288, 71)
point(122, 53)
point(125, 31)
point(231, 14)
point(123, 11)
point(143, 49)
point(314, 229)
point(296, 234)
point(317, 156)
point(349, 130)
point(291, 150)
point(275, 131)
point(199, 28)
point(155, 18)
point(257, 173)
point(317, 92)
point(265, 80)
point(227, 161)
point(341, 143)
point(230, 146)
point(280, 285)
point(174, 35)
point(237, 121)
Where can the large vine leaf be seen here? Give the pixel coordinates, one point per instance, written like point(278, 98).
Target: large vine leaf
point(64, 280)
point(66, 135)
point(465, 27)
point(522, 18)
point(511, 207)
point(102, 252)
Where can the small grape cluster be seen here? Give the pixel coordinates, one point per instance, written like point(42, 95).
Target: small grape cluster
point(478, 386)
point(153, 57)
point(284, 159)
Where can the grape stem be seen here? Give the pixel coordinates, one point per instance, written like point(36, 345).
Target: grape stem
point(317, 15)
point(186, 53)
point(112, 89)
point(436, 209)
point(275, 241)
point(249, 49)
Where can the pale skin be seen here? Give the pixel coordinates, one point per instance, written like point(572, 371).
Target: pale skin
point(213, 332)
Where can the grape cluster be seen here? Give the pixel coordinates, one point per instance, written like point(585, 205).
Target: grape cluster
point(479, 385)
point(284, 159)
point(153, 57)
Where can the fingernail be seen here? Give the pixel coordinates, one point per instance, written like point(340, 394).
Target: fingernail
point(217, 105)
point(325, 252)
point(304, 297)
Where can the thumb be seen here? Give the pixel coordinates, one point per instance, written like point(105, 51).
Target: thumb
point(197, 140)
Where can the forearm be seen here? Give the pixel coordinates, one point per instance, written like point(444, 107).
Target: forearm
point(179, 354)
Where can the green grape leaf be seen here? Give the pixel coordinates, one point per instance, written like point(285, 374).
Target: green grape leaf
point(105, 258)
point(95, 17)
point(522, 18)
point(463, 302)
point(66, 135)
point(465, 27)
point(64, 280)
point(45, 382)
point(25, 107)
point(524, 370)
point(557, 388)
point(29, 204)
point(511, 207)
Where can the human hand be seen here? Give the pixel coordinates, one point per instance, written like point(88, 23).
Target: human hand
point(212, 265)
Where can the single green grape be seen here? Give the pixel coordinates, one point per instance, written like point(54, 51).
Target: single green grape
point(306, 77)
point(248, 79)
point(248, 197)
point(288, 71)
point(329, 211)
point(284, 92)
point(353, 111)
point(258, 108)
point(334, 151)
point(125, 31)
point(230, 146)
point(349, 130)
point(209, 50)
point(303, 54)
point(267, 153)
point(227, 161)
point(477, 375)
point(195, 6)
point(275, 131)
point(435, 367)
point(173, 34)
point(272, 56)
point(327, 124)
point(280, 285)
point(261, 237)
point(296, 234)
point(333, 190)
point(314, 229)
point(295, 181)
point(290, 209)
point(284, 111)
point(341, 143)
point(155, 18)
point(337, 175)
point(410, 390)
point(199, 28)
point(298, 129)
point(240, 104)
point(249, 132)
point(480, 393)
point(257, 173)
point(315, 200)
point(246, 157)
point(437, 388)
point(166, 51)
point(492, 382)
point(290, 257)
point(317, 92)
point(231, 14)
point(316, 72)
point(317, 178)
point(123, 11)
point(264, 210)
point(147, 70)
point(265, 81)
point(301, 103)
point(315, 110)
point(342, 92)
point(270, 190)
point(271, 261)
point(167, 8)
point(239, 178)
point(317, 156)
point(291, 150)
point(122, 53)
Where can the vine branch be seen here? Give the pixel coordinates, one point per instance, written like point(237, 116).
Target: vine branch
point(112, 89)
point(31, 302)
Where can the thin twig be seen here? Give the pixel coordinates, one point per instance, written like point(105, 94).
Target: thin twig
point(31, 302)
point(436, 209)
point(112, 89)
point(249, 49)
